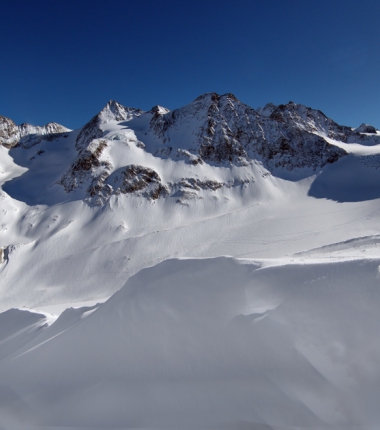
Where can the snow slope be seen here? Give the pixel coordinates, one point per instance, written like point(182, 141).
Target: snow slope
point(148, 203)
point(204, 342)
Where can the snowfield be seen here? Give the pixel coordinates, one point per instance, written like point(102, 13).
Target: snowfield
point(210, 267)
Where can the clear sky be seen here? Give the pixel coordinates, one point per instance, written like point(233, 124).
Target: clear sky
point(63, 60)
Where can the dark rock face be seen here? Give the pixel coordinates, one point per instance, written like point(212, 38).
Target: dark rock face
point(308, 120)
point(300, 117)
point(136, 178)
point(197, 184)
point(140, 178)
point(366, 128)
point(296, 150)
point(233, 133)
point(214, 141)
point(88, 133)
point(82, 169)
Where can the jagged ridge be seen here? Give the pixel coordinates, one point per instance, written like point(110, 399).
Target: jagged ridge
point(214, 129)
point(229, 131)
point(27, 135)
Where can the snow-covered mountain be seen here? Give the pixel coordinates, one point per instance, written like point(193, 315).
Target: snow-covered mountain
point(27, 135)
point(142, 208)
point(217, 130)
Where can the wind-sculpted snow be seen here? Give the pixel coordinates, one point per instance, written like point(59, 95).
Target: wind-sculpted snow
point(205, 342)
point(349, 181)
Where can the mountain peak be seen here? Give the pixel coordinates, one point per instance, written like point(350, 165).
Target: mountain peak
point(27, 134)
point(114, 111)
point(366, 128)
point(159, 110)
point(215, 97)
point(208, 96)
point(9, 132)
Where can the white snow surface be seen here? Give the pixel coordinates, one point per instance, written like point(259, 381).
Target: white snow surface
point(250, 306)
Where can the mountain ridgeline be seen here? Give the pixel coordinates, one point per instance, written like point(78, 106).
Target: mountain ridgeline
point(215, 130)
point(27, 135)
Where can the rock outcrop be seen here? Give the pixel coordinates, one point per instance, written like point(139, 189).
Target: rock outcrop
point(83, 168)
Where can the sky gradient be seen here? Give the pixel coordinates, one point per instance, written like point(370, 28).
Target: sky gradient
point(62, 61)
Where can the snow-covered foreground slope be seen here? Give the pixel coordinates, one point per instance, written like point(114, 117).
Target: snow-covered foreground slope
point(204, 342)
point(285, 335)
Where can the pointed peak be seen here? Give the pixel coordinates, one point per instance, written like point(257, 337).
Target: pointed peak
point(49, 128)
point(114, 111)
point(9, 132)
point(113, 105)
point(54, 127)
point(366, 128)
point(267, 110)
point(208, 96)
point(6, 120)
point(52, 123)
point(230, 96)
point(214, 97)
point(159, 110)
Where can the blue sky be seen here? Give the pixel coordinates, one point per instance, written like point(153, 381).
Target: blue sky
point(63, 60)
